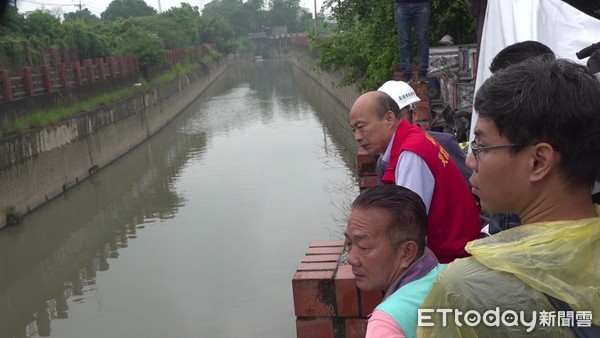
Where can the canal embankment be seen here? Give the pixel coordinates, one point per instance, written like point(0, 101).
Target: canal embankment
point(327, 302)
point(329, 82)
point(40, 164)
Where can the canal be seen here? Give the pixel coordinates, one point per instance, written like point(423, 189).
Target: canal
point(196, 232)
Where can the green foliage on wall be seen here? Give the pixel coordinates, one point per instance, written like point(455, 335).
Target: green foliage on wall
point(12, 52)
point(365, 41)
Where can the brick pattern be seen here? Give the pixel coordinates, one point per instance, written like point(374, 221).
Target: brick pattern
point(46, 78)
point(79, 75)
point(27, 80)
point(366, 164)
point(6, 89)
point(326, 301)
point(422, 113)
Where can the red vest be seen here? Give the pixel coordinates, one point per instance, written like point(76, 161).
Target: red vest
point(453, 214)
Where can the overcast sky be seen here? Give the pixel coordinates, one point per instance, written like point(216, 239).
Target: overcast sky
point(98, 6)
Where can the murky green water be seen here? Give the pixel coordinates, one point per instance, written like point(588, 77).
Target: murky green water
point(195, 233)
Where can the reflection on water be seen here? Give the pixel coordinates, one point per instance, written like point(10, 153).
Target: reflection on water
point(195, 233)
point(332, 114)
point(55, 253)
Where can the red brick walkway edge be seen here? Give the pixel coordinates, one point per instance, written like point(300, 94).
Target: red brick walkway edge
point(327, 303)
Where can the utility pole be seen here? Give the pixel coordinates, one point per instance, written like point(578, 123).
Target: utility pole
point(315, 2)
point(159, 9)
point(79, 5)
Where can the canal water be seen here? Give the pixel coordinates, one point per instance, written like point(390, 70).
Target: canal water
point(195, 233)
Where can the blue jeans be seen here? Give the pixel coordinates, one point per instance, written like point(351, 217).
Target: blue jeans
point(406, 16)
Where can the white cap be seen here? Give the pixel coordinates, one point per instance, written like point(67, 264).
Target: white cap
point(446, 40)
point(401, 92)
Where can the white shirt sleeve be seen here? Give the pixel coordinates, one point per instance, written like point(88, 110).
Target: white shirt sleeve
point(413, 173)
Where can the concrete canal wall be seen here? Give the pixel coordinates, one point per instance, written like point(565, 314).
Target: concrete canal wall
point(328, 81)
point(40, 164)
point(327, 303)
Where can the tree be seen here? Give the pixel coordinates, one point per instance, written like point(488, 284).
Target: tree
point(365, 42)
point(82, 15)
point(257, 16)
point(83, 38)
point(217, 30)
point(45, 26)
point(284, 13)
point(6, 5)
point(180, 27)
point(305, 22)
point(12, 22)
point(239, 16)
point(12, 52)
point(451, 17)
point(125, 9)
point(133, 39)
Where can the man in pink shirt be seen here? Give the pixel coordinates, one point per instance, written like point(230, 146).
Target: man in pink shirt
point(386, 249)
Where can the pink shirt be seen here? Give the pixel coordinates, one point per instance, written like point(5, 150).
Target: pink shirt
point(382, 325)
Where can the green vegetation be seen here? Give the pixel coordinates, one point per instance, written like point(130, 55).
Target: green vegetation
point(39, 119)
point(363, 38)
point(132, 26)
point(357, 35)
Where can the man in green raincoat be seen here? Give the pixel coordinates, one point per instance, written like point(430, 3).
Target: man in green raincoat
point(536, 153)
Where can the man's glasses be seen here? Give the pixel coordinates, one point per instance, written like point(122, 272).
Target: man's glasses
point(477, 149)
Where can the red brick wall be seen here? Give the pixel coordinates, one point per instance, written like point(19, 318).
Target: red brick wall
point(327, 303)
point(422, 113)
point(366, 165)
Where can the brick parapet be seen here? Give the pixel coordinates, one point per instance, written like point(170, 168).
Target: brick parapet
point(327, 303)
point(76, 73)
point(111, 67)
point(6, 88)
point(46, 78)
point(100, 67)
point(62, 75)
point(366, 164)
point(366, 168)
point(422, 113)
point(27, 81)
point(89, 67)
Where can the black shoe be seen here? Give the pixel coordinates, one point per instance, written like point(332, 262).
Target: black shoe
point(422, 77)
point(407, 78)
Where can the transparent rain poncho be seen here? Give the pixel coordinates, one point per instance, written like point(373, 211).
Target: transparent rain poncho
point(511, 271)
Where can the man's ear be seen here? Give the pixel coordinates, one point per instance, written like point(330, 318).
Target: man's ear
point(409, 253)
point(544, 160)
point(390, 117)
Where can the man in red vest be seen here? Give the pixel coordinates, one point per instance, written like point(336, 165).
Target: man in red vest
point(415, 160)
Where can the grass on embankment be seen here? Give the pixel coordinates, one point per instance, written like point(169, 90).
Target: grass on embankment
point(39, 119)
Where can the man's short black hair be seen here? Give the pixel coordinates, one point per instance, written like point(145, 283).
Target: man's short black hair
point(518, 52)
point(406, 211)
point(544, 99)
